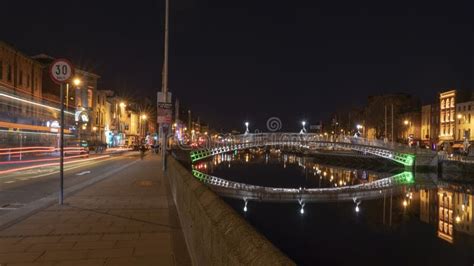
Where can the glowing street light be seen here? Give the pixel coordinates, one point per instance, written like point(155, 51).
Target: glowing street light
point(77, 81)
point(144, 117)
point(458, 219)
point(123, 105)
point(303, 130)
point(406, 122)
point(246, 127)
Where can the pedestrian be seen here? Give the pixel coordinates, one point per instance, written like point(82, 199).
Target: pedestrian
point(142, 151)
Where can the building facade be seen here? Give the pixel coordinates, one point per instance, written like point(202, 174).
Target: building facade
point(380, 110)
point(409, 127)
point(80, 98)
point(430, 125)
point(25, 117)
point(100, 113)
point(447, 115)
point(464, 121)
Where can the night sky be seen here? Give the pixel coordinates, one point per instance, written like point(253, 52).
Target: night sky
point(232, 61)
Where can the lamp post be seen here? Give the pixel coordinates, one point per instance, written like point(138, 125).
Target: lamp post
point(359, 128)
point(408, 125)
point(246, 127)
point(143, 118)
point(76, 82)
point(94, 129)
point(122, 105)
point(303, 130)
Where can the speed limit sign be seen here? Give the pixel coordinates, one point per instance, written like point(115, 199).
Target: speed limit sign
point(61, 70)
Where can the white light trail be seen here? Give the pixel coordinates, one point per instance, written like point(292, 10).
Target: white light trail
point(33, 103)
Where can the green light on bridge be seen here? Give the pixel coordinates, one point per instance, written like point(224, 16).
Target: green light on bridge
point(409, 160)
point(198, 175)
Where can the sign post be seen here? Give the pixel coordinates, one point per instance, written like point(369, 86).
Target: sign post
point(61, 71)
point(164, 119)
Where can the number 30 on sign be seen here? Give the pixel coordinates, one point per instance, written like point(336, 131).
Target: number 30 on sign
point(61, 70)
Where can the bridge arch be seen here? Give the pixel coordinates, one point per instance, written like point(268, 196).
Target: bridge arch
point(399, 153)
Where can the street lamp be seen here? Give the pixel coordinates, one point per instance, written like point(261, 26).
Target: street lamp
point(303, 130)
point(359, 128)
point(246, 127)
point(95, 132)
point(143, 118)
point(123, 105)
point(77, 81)
point(408, 124)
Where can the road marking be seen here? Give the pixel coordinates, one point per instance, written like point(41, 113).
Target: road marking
point(84, 173)
point(82, 164)
point(21, 213)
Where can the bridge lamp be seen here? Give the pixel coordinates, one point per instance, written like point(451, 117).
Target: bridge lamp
point(302, 210)
point(303, 123)
point(245, 207)
point(246, 127)
point(357, 208)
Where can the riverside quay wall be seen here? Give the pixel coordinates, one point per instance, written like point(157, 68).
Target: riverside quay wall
point(215, 234)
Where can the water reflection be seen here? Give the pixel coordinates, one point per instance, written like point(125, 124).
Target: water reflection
point(288, 170)
point(429, 222)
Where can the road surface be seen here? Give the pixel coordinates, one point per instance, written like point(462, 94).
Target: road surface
point(24, 187)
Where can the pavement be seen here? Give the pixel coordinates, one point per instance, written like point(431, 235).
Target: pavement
point(124, 218)
point(22, 189)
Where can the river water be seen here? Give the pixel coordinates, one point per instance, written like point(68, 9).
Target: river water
point(424, 225)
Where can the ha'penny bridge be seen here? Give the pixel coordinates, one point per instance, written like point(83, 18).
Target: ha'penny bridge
point(399, 153)
point(404, 155)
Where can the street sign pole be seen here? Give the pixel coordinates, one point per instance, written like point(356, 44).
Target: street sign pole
point(61, 71)
point(61, 148)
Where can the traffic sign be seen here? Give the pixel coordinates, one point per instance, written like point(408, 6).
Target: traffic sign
point(165, 113)
point(61, 70)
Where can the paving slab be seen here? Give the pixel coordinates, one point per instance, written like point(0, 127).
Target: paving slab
point(125, 219)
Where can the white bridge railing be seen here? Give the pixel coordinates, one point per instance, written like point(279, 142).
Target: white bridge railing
point(394, 151)
point(399, 179)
